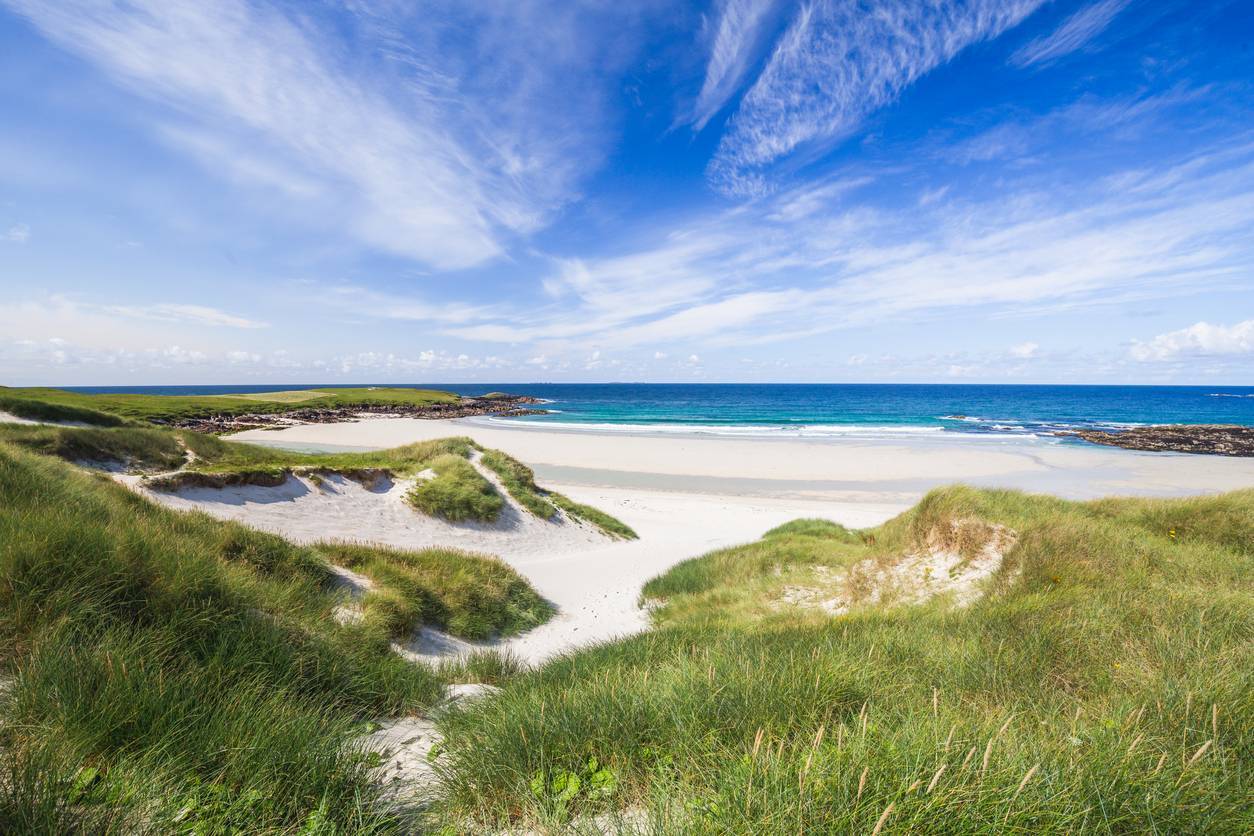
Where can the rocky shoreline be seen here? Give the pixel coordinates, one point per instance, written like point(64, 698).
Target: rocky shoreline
point(1212, 439)
point(501, 405)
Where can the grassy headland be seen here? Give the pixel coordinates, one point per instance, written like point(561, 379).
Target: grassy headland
point(46, 404)
point(1104, 683)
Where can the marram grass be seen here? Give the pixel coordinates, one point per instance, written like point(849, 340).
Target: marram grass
point(169, 672)
point(1104, 685)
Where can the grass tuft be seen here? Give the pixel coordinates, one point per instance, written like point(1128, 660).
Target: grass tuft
point(457, 492)
point(520, 481)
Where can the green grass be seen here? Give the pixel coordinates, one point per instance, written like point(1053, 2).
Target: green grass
point(609, 525)
point(217, 455)
point(109, 409)
point(1104, 684)
point(457, 492)
point(40, 410)
point(520, 481)
point(464, 594)
point(170, 672)
point(460, 493)
point(139, 448)
point(157, 449)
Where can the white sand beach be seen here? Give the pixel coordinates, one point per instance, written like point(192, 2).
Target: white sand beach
point(684, 494)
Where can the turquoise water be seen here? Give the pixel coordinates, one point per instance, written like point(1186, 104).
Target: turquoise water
point(820, 410)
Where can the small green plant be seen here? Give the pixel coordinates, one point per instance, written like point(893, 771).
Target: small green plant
point(560, 789)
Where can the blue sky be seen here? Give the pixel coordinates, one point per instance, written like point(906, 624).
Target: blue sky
point(341, 190)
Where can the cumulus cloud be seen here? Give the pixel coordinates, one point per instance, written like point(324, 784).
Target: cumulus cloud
point(1198, 340)
point(1024, 350)
point(17, 234)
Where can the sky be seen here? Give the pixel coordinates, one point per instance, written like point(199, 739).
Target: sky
point(340, 191)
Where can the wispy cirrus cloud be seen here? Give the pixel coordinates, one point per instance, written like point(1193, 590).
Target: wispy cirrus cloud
point(838, 62)
point(734, 45)
point(1076, 31)
point(191, 314)
point(758, 274)
point(391, 146)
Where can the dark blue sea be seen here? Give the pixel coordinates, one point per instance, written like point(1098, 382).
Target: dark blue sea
point(821, 410)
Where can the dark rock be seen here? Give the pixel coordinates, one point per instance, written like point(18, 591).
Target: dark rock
point(466, 407)
point(1213, 439)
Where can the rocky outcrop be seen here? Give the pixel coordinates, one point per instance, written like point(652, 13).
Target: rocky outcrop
point(507, 405)
point(1214, 439)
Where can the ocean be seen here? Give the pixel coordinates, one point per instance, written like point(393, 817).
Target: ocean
point(836, 410)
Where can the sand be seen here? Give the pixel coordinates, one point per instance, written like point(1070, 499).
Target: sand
point(684, 495)
point(831, 470)
point(594, 581)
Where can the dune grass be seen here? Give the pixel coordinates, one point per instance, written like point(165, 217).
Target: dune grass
point(110, 409)
point(40, 410)
point(457, 492)
point(157, 448)
point(609, 525)
point(139, 448)
point(169, 672)
point(464, 594)
point(1104, 684)
point(520, 481)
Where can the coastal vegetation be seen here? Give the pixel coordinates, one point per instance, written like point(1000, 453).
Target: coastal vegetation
point(181, 458)
point(1102, 683)
point(1090, 670)
point(457, 492)
point(109, 409)
point(166, 671)
point(520, 482)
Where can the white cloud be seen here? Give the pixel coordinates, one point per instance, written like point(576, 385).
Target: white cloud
point(276, 100)
point(1075, 32)
point(1024, 350)
point(17, 234)
point(748, 275)
point(1199, 339)
point(659, 355)
point(735, 42)
point(838, 62)
point(192, 314)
